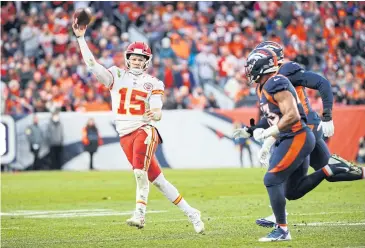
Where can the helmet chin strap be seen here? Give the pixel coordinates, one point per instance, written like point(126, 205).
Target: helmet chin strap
point(136, 71)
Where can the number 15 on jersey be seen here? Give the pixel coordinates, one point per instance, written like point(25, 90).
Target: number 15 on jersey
point(132, 101)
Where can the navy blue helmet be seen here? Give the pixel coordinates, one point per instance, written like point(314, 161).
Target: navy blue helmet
point(275, 47)
point(261, 61)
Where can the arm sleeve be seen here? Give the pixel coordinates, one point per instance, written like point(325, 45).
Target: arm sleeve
point(101, 73)
point(317, 82)
point(155, 100)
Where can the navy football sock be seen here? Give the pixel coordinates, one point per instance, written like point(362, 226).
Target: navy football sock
point(278, 202)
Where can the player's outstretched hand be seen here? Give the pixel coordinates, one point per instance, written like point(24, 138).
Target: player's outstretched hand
point(78, 30)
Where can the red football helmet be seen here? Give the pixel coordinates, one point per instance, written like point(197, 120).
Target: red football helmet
point(139, 48)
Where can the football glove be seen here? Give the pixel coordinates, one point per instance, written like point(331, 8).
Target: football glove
point(242, 133)
point(245, 132)
point(261, 134)
point(264, 153)
point(327, 123)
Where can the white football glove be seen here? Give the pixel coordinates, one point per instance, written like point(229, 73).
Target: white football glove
point(264, 153)
point(241, 133)
point(327, 127)
point(261, 134)
point(257, 134)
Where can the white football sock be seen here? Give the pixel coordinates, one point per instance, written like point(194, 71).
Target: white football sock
point(143, 188)
point(327, 170)
point(171, 193)
point(284, 227)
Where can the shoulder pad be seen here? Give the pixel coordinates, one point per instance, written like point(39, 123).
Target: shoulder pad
point(290, 68)
point(151, 78)
point(155, 81)
point(276, 84)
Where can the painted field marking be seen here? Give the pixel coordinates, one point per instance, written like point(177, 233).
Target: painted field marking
point(330, 224)
point(96, 214)
point(73, 213)
point(35, 212)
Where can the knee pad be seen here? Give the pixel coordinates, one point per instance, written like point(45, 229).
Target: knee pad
point(270, 179)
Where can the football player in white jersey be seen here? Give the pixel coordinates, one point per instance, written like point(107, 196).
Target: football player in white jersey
point(136, 101)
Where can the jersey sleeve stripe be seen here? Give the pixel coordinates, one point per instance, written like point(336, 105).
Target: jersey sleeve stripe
point(269, 97)
point(302, 98)
point(157, 92)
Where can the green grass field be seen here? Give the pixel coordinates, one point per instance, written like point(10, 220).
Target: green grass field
point(89, 209)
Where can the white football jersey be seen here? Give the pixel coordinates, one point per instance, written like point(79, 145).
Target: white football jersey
point(130, 98)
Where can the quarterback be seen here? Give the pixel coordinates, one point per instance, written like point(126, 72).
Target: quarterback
point(136, 103)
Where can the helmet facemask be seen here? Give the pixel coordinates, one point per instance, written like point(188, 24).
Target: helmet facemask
point(248, 71)
point(260, 62)
point(144, 65)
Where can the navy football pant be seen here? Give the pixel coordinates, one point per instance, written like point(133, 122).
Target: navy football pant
point(287, 173)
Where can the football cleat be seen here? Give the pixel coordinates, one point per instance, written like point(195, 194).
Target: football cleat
point(137, 221)
point(356, 170)
point(278, 234)
point(195, 218)
point(269, 221)
point(339, 165)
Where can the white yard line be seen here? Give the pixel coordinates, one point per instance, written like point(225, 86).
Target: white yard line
point(72, 213)
point(330, 224)
point(34, 212)
point(325, 213)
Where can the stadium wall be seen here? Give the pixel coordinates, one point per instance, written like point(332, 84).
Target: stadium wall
point(192, 139)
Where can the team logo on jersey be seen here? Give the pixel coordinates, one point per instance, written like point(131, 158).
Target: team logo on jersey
point(147, 86)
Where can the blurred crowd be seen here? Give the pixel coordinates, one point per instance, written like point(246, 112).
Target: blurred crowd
point(194, 44)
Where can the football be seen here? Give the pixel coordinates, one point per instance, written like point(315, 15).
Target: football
point(83, 16)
